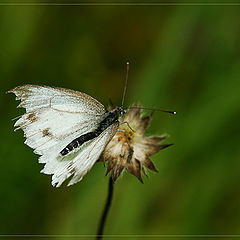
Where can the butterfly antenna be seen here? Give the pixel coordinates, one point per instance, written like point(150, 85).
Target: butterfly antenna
point(125, 86)
point(156, 109)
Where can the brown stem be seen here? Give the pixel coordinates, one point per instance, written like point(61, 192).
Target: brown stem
point(106, 209)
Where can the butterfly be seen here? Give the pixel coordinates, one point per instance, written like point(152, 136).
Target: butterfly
point(69, 129)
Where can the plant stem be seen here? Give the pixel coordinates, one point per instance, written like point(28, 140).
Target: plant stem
point(106, 209)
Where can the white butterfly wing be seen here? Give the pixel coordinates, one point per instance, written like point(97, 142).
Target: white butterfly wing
point(34, 97)
point(78, 164)
point(54, 117)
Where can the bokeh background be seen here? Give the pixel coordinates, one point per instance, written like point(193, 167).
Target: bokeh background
point(183, 58)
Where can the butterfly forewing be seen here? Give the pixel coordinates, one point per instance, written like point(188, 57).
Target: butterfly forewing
point(55, 117)
point(34, 97)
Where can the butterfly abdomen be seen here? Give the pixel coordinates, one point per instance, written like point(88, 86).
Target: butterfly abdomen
point(77, 143)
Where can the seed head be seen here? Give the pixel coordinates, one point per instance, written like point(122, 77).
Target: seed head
point(129, 148)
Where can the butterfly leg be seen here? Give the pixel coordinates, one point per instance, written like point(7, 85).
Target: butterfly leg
point(127, 125)
point(121, 130)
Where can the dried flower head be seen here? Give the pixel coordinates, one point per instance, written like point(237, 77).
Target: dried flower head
point(129, 149)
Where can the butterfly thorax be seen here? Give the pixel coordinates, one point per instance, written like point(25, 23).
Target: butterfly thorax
point(110, 118)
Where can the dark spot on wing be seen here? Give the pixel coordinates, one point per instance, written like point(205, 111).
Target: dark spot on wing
point(32, 117)
point(46, 133)
point(71, 169)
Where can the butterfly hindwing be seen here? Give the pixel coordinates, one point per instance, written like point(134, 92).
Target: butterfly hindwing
point(85, 158)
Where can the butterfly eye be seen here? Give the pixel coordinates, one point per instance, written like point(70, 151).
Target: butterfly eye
point(121, 111)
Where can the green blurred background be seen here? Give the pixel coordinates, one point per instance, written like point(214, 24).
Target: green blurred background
point(183, 58)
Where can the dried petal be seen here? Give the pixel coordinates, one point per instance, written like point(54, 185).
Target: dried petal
point(135, 169)
point(116, 172)
point(145, 123)
point(149, 164)
point(155, 140)
point(152, 149)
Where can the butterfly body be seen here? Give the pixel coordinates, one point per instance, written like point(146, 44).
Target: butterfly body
point(111, 118)
point(59, 121)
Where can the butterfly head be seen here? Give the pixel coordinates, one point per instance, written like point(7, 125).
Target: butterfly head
point(120, 111)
